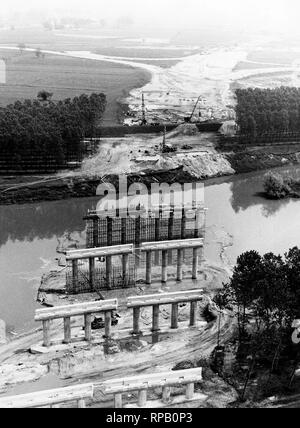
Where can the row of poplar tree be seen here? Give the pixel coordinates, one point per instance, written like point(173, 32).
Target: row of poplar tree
point(45, 128)
point(263, 111)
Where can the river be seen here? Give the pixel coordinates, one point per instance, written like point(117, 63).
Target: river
point(238, 219)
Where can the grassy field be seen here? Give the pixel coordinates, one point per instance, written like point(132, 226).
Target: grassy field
point(67, 77)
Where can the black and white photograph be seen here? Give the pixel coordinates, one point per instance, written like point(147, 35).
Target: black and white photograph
point(149, 206)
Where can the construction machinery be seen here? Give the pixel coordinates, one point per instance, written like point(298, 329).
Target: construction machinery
point(188, 119)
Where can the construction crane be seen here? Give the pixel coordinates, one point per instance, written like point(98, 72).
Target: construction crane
point(188, 119)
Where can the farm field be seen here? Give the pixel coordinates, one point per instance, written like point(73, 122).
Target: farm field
point(67, 77)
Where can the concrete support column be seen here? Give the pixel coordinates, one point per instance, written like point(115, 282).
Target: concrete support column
point(88, 327)
point(92, 273)
point(125, 272)
point(190, 391)
point(195, 263)
point(137, 241)
point(174, 316)
point(67, 330)
point(124, 231)
point(179, 265)
point(193, 314)
point(118, 401)
point(75, 274)
point(157, 227)
point(166, 394)
point(142, 400)
point(108, 324)
point(46, 333)
point(164, 275)
point(183, 228)
point(136, 321)
point(109, 271)
point(198, 216)
point(183, 224)
point(96, 232)
point(157, 236)
point(170, 234)
point(148, 267)
point(109, 231)
point(155, 319)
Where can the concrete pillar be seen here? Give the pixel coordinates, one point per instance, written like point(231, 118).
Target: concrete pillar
point(81, 404)
point(170, 234)
point(193, 314)
point(198, 215)
point(109, 271)
point(125, 272)
point(96, 232)
point(124, 231)
point(201, 257)
point(190, 390)
point(179, 265)
point(138, 230)
point(195, 263)
point(142, 400)
point(183, 228)
point(166, 394)
point(92, 273)
point(67, 330)
point(164, 274)
point(118, 401)
point(183, 224)
point(174, 316)
point(137, 241)
point(88, 327)
point(157, 227)
point(109, 231)
point(148, 267)
point(75, 275)
point(108, 324)
point(46, 333)
point(155, 319)
point(136, 321)
point(157, 236)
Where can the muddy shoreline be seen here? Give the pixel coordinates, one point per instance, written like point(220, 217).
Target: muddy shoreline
point(78, 186)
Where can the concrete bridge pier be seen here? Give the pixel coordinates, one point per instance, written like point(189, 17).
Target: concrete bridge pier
point(155, 319)
point(125, 266)
point(108, 325)
point(193, 314)
point(148, 267)
point(174, 316)
point(88, 327)
point(179, 265)
point(92, 272)
point(109, 271)
point(164, 278)
point(195, 262)
point(136, 321)
point(67, 330)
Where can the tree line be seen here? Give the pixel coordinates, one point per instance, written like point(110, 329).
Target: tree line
point(264, 293)
point(42, 127)
point(263, 111)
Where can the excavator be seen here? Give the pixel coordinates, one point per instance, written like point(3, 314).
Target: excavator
point(188, 119)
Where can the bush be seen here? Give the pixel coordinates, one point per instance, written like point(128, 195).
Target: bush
point(275, 187)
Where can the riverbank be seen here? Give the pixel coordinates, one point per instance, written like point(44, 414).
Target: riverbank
point(115, 158)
